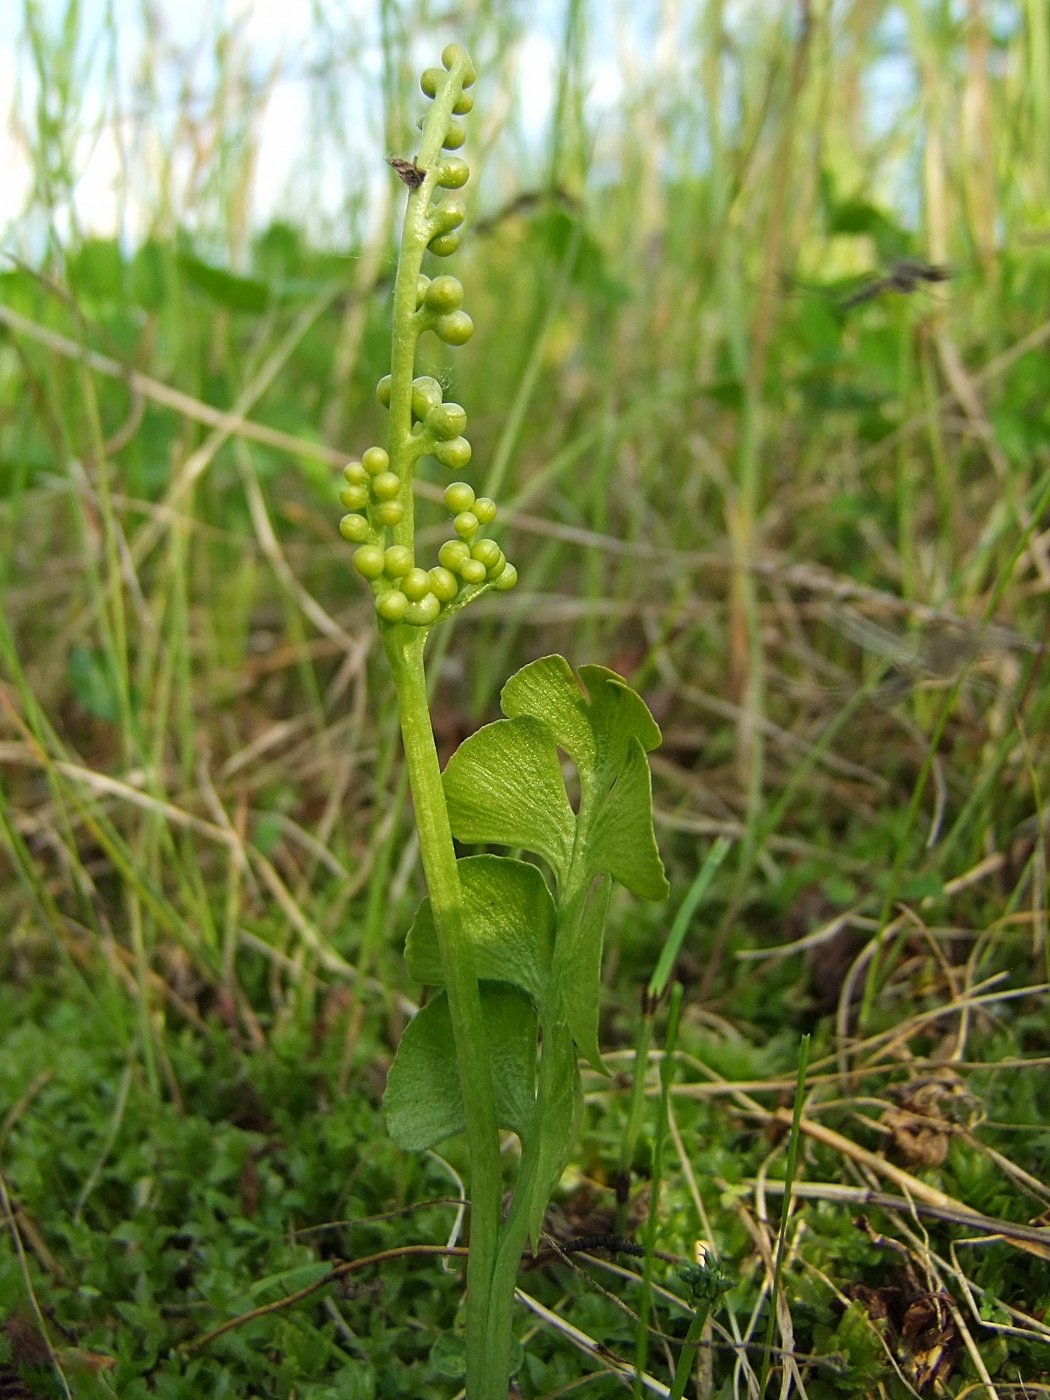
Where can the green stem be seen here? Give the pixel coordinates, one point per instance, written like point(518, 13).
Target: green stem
point(404, 649)
point(557, 1066)
point(641, 1352)
point(634, 1116)
point(785, 1212)
point(689, 1345)
point(402, 445)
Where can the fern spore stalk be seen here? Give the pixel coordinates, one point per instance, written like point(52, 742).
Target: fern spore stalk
point(514, 952)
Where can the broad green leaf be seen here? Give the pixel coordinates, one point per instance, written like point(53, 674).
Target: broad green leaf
point(423, 1101)
point(578, 974)
point(96, 270)
point(448, 1355)
point(245, 294)
point(149, 275)
point(504, 785)
point(592, 728)
point(509, 916)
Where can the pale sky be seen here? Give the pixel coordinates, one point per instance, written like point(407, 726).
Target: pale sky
point(297, 170)
point(314, 163)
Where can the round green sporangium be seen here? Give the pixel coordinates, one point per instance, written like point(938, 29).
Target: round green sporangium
point(455, 135)
point(353, 497)
point(459, 496)
point(473, 571)
point(446, 421)
point(426, 395)
point(368, 561)
point(442, 583)
point(445, 293)
point(392, 605)
point(455, 454)
point(375, 460)
point(487, 551)
point(443, 245)
point(452, 173)
point(385, 486)
point(415, 584)
point(424, 611)
point(453, 554)
point(456, 328)
point(397, 560)
point(389, 513)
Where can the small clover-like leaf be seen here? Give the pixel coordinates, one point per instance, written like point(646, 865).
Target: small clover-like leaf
point(606, 732)
point(593, 728)
point(548, 690)
point(504, 785)
point(509, 917)
point(617, 710)
point(423, 1102)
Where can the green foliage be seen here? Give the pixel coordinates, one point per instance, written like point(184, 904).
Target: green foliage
point(243, 294)
point(504, 784)
point(92, 683)
point(854, 1348)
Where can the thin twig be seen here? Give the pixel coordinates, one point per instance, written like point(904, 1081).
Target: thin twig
point(337, 1271)
point(943, 1209)
point(21, 1104)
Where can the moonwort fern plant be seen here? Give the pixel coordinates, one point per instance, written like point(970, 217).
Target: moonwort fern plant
point(513, 946)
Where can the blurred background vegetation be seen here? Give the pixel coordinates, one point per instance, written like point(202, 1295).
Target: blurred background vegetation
point(760, 381)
